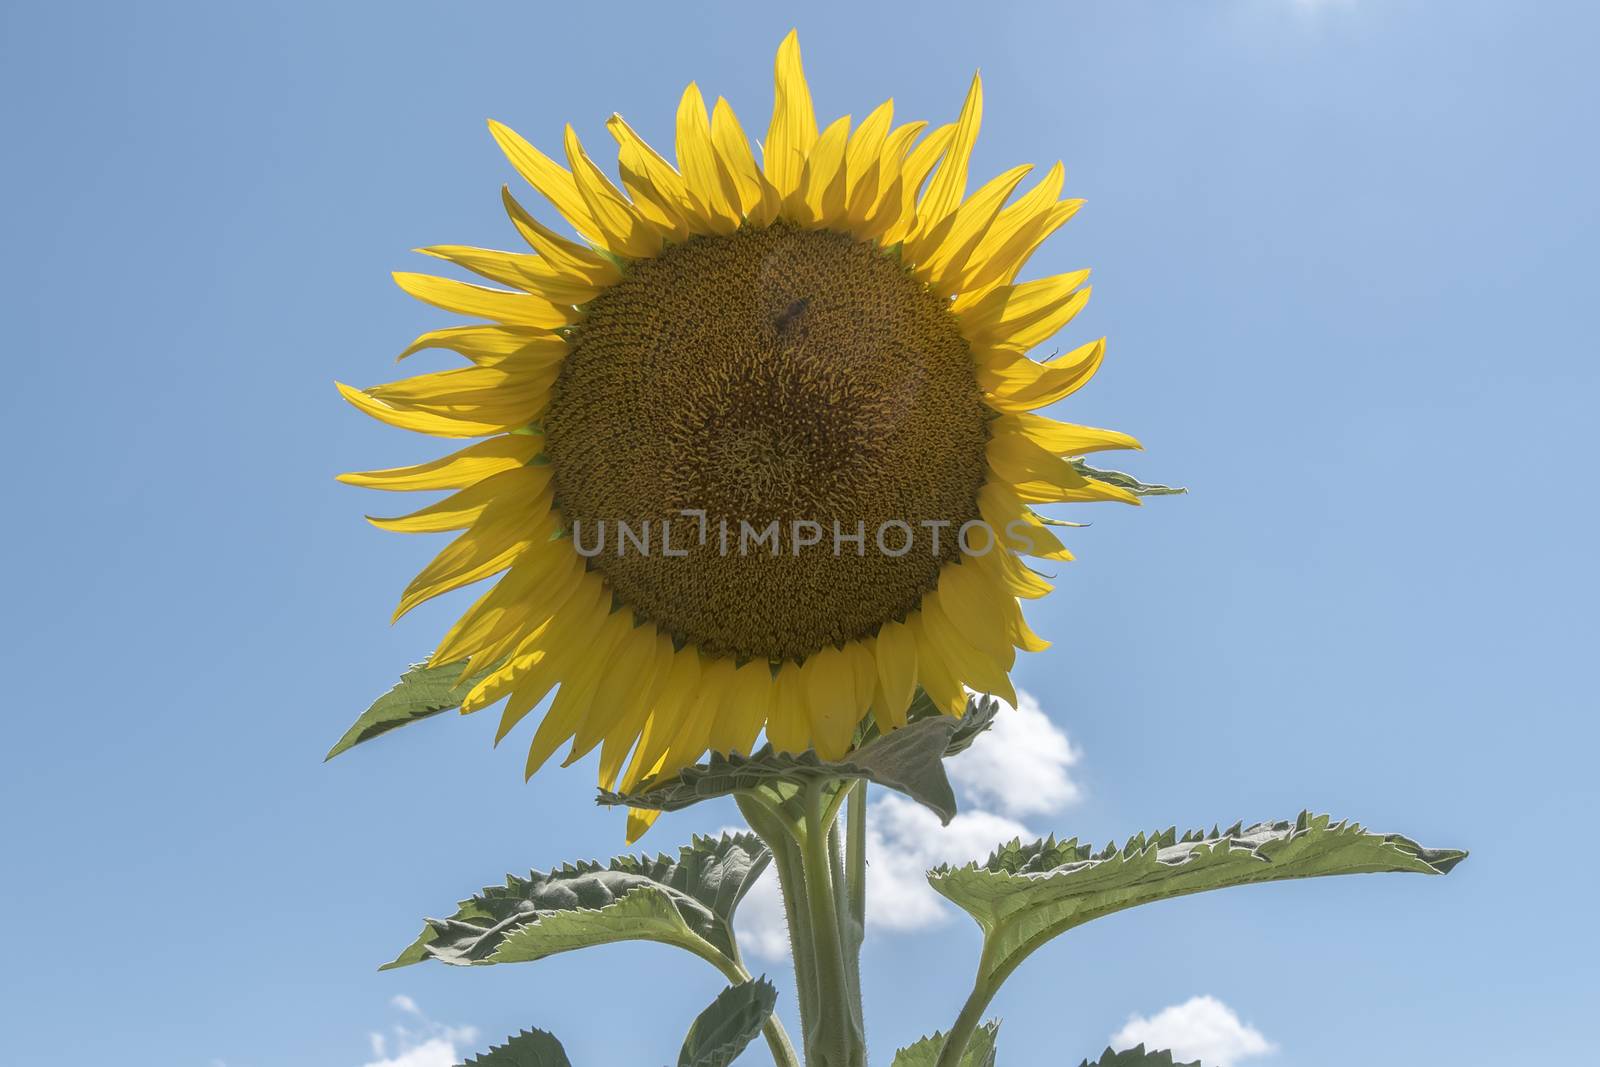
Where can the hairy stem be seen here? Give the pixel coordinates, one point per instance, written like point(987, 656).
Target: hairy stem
point(856, 859)
point(984, 988)
point(955, 1043)
point(851, 891)
point(835, 1039)
point(778, 1043)
point(774, 830)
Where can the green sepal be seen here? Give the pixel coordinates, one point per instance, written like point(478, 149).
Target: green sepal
point(688, 901)
point(421, 693)
point(909, 760)
point(734, 1019)
point(1024, 895)
point(1124, 481)
point(531, 1048)
point(980, 1050)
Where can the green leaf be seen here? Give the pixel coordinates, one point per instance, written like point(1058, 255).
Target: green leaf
point(531, 1048)
point(421, 693)
point(721, 1032)
point(1024, 895)
point(909, 760)
point(980, 1050)
point(1136, 1057)
point(686, 901)
point(1124, 481)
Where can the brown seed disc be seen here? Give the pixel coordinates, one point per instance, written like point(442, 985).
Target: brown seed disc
point(773, 375)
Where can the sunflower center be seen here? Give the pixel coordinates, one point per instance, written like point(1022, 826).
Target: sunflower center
point(799, 389)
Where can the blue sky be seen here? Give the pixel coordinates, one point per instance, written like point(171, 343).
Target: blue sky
point(1343, 252)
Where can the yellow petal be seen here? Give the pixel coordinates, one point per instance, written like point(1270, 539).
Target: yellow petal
point(710, 186)
point(490, 346)
point(625, 676)
point(520, 270)
point(794, 124)
point(865, 150)
point(876, 202)
point(1016, 233)
point(621, 229)
point(554, 181)
point(829, 685)
point(508, 630)
point(1062, 438)
point(499, 682)
point(745, 710)
point(455, 471)
point(675, 700)
point(420, 421)
point(502, 533)
point(639, 822)
point(820, 198)
point(943, 253)
point(758, 200)
point(479, 301)
point(574, 699)
point(789, 727)
point(568, 257)
point(460, 510)
point(1014, 382)
point(547, 659)
point(972, 604)
point(1020, 632)
point(1018, 528)
point(896, 655)
point(533, 651)
point(657, 190)
point(934, 671)
point(694, 731)
point(537, 580)
point(1012, 575)
point(624, 733)
point(969, 664)
point(949, 184)
point(471, 391)
point(913, 172)
point(864, 674)
point(1037, 476)
point(1020, 309)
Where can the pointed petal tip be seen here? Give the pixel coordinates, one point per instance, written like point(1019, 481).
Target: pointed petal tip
point(351, 393)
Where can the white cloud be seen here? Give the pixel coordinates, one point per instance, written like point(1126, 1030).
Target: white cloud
point(1016, 768)
point(760, 923)
point(1020, 765)
point(1202, 1028)
point(904, 839)
point(425, 1043)
point(434, 1052)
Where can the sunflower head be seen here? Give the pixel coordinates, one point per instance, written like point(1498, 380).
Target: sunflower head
point(757, 451)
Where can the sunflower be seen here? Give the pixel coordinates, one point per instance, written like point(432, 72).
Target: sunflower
point(830, 343)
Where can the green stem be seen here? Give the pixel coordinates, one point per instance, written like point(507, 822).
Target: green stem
point(856, 859)
point(955, 1044)
point(782, 1049)
point(834, 1039)
point(984, 988)
point(779, 835)
point(849, 874)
